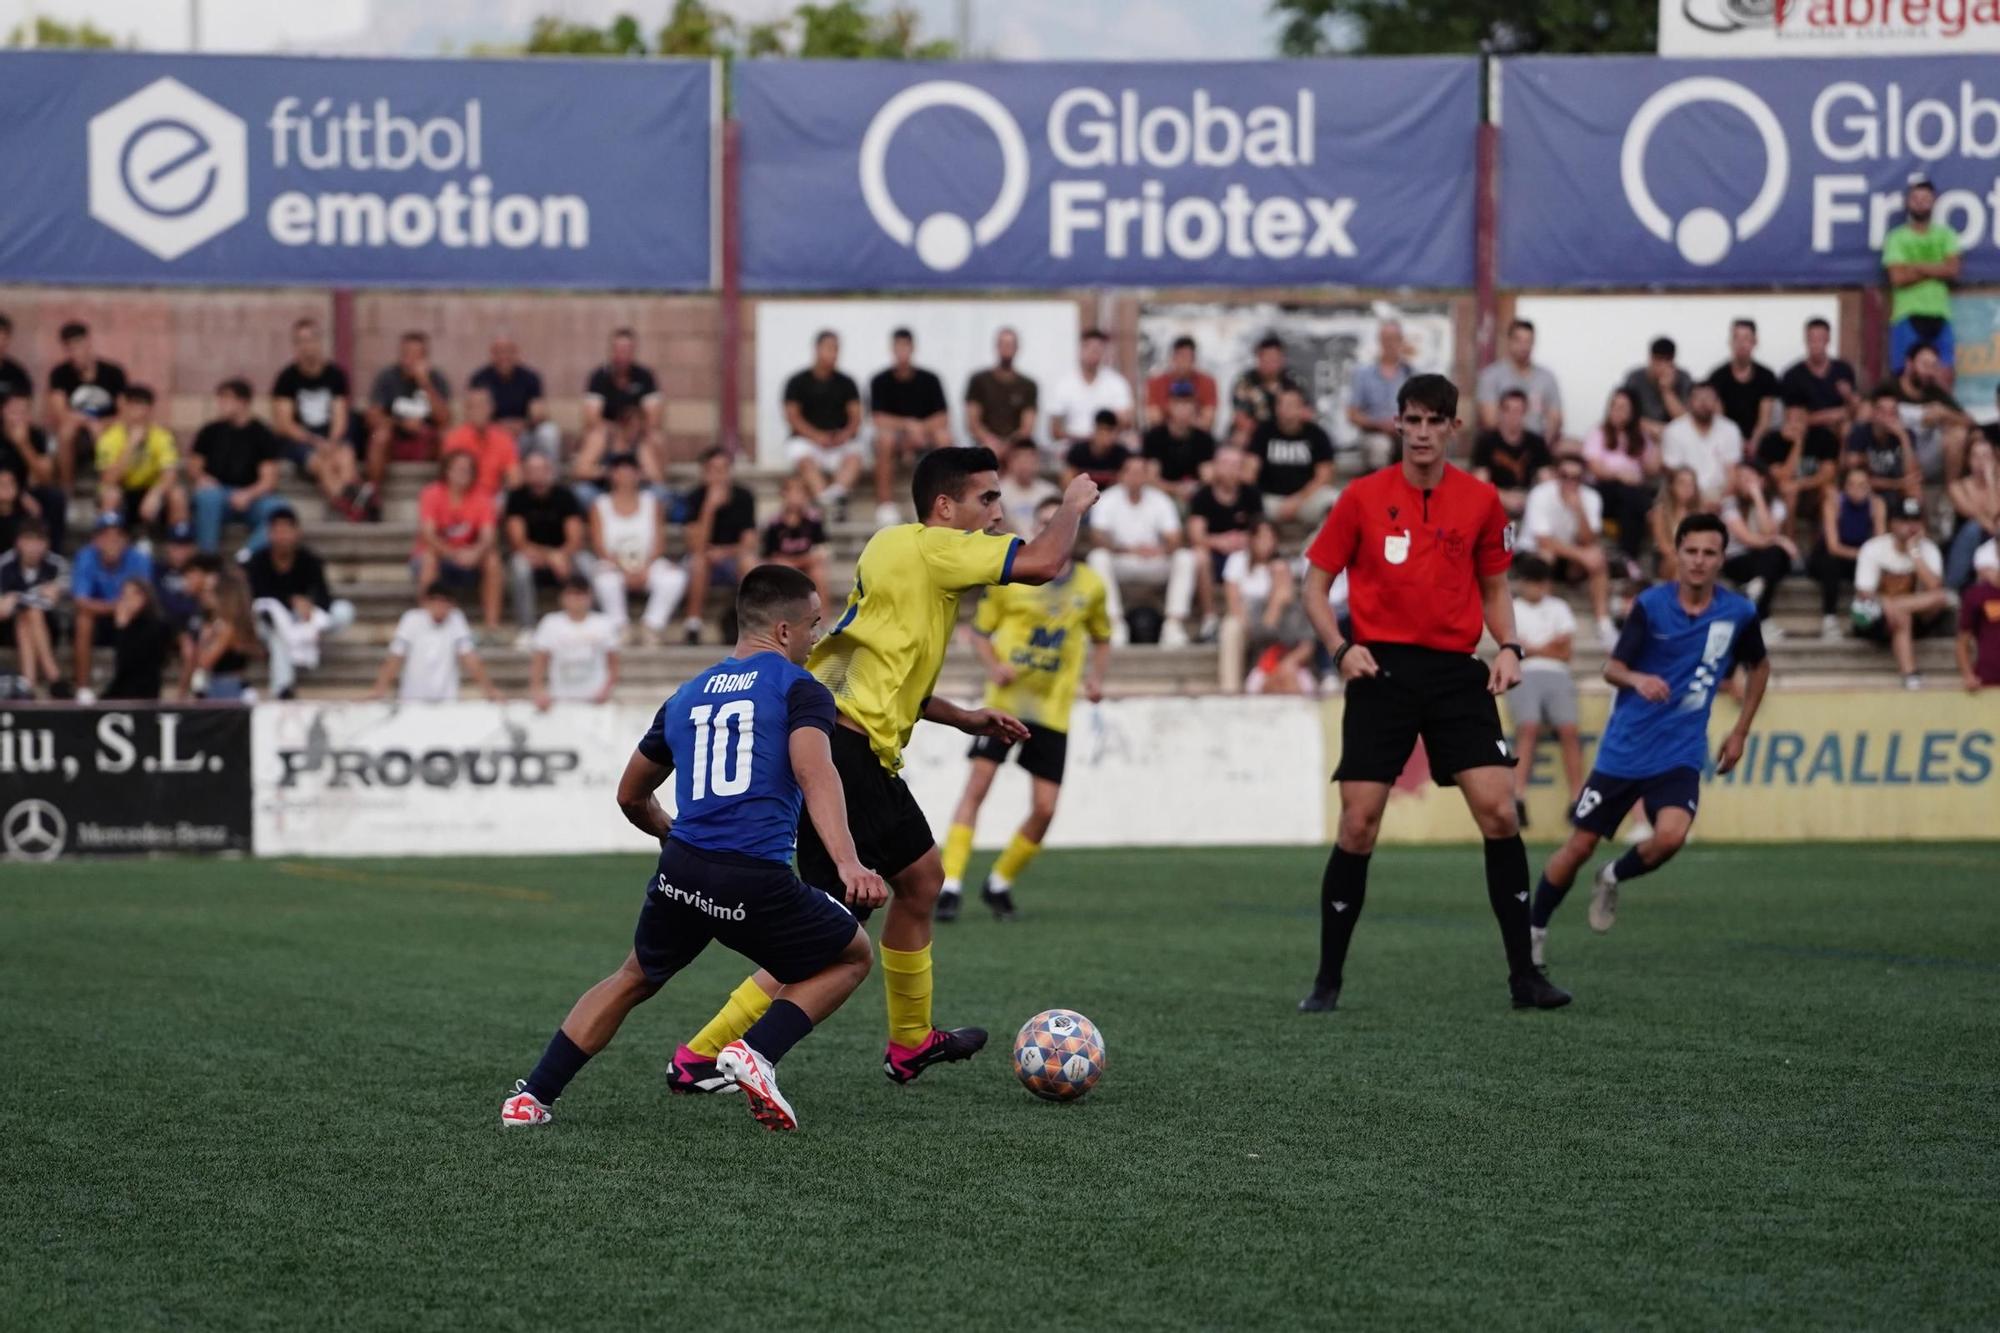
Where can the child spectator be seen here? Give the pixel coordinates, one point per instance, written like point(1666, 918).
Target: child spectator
point(457, 537)
point(1856, 517)
point(1137, 532)
point(233, 469)
point(1899, 592)
point(545, 532)
point(628, 540)
point(575, 651)
point(1545, 700)
point(139, 465)
point(721, 531)
point(33, 583)
point(1263, 600)
point(143, 640)
point(1624, 467)
point(1509, 455)
point(796, 539)
point(431, 646)
point(491, 445)
point(1975, 495)
point(101, 570)
point(1101, 457)
point(1979, 622)
point(1561, 522)
point(1758, 554)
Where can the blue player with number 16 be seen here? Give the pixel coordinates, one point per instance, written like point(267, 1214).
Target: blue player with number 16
point(1679, 645)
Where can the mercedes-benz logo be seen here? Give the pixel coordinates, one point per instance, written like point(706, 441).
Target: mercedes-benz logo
point(34, 830)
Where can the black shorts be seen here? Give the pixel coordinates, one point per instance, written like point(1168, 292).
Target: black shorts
point(758, 908)
point(1420, 692)
point(1605, 801)
point(1043, 754)
point(889, 830)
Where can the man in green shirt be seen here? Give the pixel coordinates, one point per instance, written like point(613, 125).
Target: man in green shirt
point(1922, 258)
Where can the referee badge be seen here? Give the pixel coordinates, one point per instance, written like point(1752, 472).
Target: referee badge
point(1396, 547)
point(1507, 538)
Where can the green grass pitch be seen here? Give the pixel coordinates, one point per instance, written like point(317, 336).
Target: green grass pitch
point(255, 1094)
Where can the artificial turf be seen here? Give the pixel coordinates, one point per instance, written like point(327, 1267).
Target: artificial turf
point(265, 1094)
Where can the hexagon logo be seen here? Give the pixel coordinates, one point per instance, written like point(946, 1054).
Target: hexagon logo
point(169, 169)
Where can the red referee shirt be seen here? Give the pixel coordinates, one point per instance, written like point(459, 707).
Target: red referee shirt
point(1413, 558)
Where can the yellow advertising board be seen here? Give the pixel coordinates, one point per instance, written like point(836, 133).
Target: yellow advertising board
point(1821, 765)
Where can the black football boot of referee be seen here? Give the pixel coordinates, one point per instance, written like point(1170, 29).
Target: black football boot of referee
point(1323, 1000)
point(1533, 990)
point(1001, 901)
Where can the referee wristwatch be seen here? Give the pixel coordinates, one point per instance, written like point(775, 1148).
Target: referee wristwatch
point(1520, 655)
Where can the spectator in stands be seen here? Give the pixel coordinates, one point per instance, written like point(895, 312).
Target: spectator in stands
point(1545, 700)
point(33, 584)
point(1758, 555)
point(909, 414)
point(101, 569)
point(1991, 430)
point(823, 411)
point(1371, 398)
point(141, 643)
point(1509, 455)
point(139, 465)
point(796, 539)
point(1092, 388)
point(291, 598)
point(1660, 388)
point(14, 378)
point(13, 509)
point(1937, 426)
point(1975, 497)
point(1856, 517)
point(432, 644)
point(1263, 599)
point(1704, 440)
point(1253, 399)
point(1624, 466)
point(233, 469)
point(495, 456)
point(83, 398)
point(458, 539)
point(575, 654)
point(1899, 592)
point(227, 642)
point(1979, 622)
point(628, 543)
point(1178, 451)
point(1001, 403)
point(1182, 373)
point(1880, 444)
point(1796, 460)
point(1220, 517)
point(1922, 259)
point(1825, 385)
point(1023, 487)
point(545, 531)
point(1562, 519)
point(29, 452)
point(1679, 497)
point(589, 467)
point(409, 407)
point(1136, 535)
point(519, 405)
point(721, 519)
point(1516, 371)
point(309, 411)
point(622, 383)
point(173, 591)
point(1101, 456)
point(1747, 388)
point(1290, 461)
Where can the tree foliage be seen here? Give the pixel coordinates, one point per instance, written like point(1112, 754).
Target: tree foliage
point(840, 30)
point(1436, 27)
point(54, 33)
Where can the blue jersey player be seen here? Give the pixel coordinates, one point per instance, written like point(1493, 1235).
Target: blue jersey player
point(1679, 645)
point(746, 742)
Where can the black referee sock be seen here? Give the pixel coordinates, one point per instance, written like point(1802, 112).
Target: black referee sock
point(783, 1026)
point(1507, 890)
point(1342, 889)
point(558, 1065)
point(1548, 897)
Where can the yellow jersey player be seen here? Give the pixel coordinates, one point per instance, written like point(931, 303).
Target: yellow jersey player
point(1032, 641)
point(881, 661)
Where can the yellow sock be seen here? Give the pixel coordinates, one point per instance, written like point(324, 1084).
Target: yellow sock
point(746, 1004)
point(1014, 862)
point(957, 852)
point(906, 979)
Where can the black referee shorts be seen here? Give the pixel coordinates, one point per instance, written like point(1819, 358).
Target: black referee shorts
point(889, 830)
point(1420, 692)
point(1044, 754)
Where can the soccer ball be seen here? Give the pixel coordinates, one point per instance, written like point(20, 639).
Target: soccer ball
point(1059, 1055)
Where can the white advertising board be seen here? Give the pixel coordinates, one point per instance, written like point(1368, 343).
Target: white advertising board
point(1828, 27)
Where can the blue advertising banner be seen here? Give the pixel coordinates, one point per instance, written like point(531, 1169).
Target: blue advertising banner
point(872, 174)
point(1628, 170)
point(483, 173)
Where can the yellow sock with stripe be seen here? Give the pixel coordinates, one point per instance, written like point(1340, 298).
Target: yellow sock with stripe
point(957, 853)
point(906, 980)
point(1014, 862)
point(746, 1004)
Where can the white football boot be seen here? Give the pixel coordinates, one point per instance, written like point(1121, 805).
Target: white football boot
point(748, 1070)
point(523, 1108)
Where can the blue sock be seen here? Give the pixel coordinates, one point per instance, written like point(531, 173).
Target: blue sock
point(559, 1064)
point(782, 1027)
point(1547, 899)
point(1629, 866)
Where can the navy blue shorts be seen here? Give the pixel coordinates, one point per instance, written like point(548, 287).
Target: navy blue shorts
point(1605, 801)
point(758, 908)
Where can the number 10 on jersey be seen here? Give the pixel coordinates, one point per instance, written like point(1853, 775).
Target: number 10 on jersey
point(714, 770)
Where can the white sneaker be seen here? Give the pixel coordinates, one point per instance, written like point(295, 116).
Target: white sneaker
point(1538, 942)
point(749, 1071)
point(1606, 631)
point(1173, 634)
point(523, 1109)
point(1330, 683)
point(523, 642)
point(1913, 681)
point(1754, 588)
point(85, 695)
point(1773, 633)
point(1253, 682)
point(1603, 900)
point(887, 515)
point(1211, 624)
point(1829, 627)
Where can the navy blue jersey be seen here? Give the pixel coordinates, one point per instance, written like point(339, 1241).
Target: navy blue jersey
point(1693, 655)
point(727, 735)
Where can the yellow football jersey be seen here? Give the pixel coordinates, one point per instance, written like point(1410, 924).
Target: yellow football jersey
point(151, 461)
point(882, 657)
point(1041, 633)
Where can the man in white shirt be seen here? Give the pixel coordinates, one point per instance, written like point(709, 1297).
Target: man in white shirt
point(1705, 440)
point(1562, 521)
point(432, 642)
point(1023, 487)
point(1136, 533)
point(575, 650)
point(1545, 700)
point(1091, 388)
point(1899, 592)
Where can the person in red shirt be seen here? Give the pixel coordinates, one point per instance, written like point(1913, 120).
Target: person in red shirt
point(1425, 548)
point(1181, 372)
point(457, 535)
point(495, 455)
point(1979, 622)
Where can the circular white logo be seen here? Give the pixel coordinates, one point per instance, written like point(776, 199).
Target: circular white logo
point(943, 241)
point(168, 167)
point(34, 830)
point(1704, 236)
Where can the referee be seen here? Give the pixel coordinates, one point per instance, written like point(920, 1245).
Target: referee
point(1426, 549)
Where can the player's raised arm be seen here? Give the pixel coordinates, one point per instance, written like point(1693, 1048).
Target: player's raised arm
point(826, 803)
point(1043, 558)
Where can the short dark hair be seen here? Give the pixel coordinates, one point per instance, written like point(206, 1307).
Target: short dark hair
point(1744, 322)
point(578, 583)
point(208, 562)
point(1662, 347)
point(73, 330)
point(945, 472)
point(1105, 417)
point(713, 452)
point(137, 393)
point(625, 331)
point(1819, 322)
point(435, 588)
point(282, 514)
point(770, 593)
point(304, 322)
point(902, 336)
point(32, 527)
point(415, 336)
point(1702, 522)
point(236, 387)
point(1886, 389)
point(1436, 392)
point(1527, 324)
point(823, 335)
point(1531, 568)
point(1270, 340)
point(1521, 394)
point(1023, 443)
point(1092, 334)
point(1184, 341)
